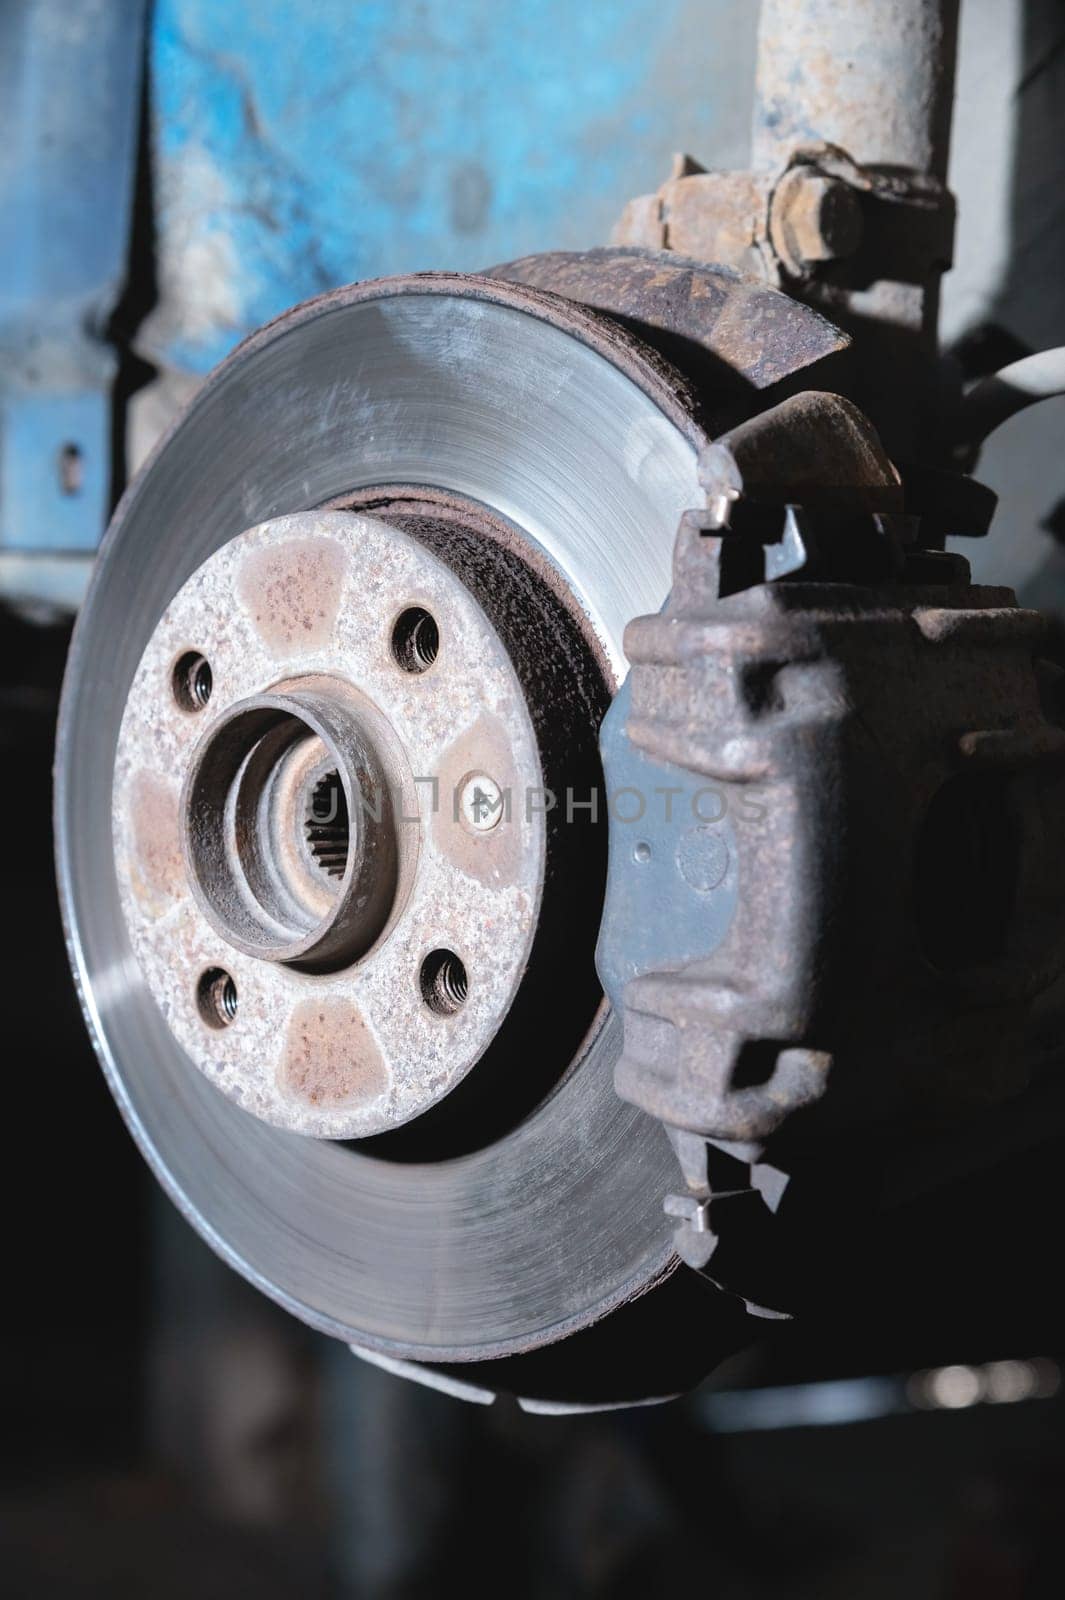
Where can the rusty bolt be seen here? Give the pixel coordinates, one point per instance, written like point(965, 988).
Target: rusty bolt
point(814, 218)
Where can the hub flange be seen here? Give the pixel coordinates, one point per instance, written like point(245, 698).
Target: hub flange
point(332, 932)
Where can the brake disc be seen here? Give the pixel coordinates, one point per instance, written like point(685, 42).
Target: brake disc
point(501, 433)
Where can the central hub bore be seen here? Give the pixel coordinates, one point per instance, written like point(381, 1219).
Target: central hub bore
point(288, 829)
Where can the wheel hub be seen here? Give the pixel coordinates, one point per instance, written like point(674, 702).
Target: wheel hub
point(331, 863)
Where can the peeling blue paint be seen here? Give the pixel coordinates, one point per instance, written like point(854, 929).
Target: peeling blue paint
point(300, 146)
point(297, 145)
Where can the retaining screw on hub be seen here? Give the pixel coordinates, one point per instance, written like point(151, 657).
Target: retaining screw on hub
point(481, 802)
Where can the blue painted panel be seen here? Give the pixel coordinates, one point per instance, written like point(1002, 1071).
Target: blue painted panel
point(299, 144)
point(69, 84)
point(304, 145)
point(55, 462)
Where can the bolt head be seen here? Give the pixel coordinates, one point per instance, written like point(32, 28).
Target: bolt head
point(815, 218)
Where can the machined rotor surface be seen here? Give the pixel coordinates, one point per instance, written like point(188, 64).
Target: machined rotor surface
point(558, 426)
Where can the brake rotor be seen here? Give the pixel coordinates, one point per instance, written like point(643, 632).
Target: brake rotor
point(504, 436)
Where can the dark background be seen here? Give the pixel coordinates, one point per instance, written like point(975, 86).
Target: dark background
point(166, 1431)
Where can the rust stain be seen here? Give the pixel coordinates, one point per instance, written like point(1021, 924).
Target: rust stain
point(494, 857)
point(330, 1057)
point(292, 592)
point(157, 869)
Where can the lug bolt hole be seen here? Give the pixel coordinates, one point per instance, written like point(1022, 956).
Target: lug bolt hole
point(444, 983)
point(415, 639)
point(216, 997)
point(192, 681)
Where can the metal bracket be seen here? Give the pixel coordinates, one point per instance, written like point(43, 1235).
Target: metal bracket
point(70, 77)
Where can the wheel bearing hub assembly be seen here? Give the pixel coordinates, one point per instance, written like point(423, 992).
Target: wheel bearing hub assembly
point(332, 823)
point(362, 616)
point(293, 880)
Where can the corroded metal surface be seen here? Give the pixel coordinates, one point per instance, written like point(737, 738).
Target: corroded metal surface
point(863, 759)
point(875, 76)
point(738, 338)
point(865, 245)
point(813, 218)
point(815, 450)
point(304, 607)
point(898, 902)
point(845, 204)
